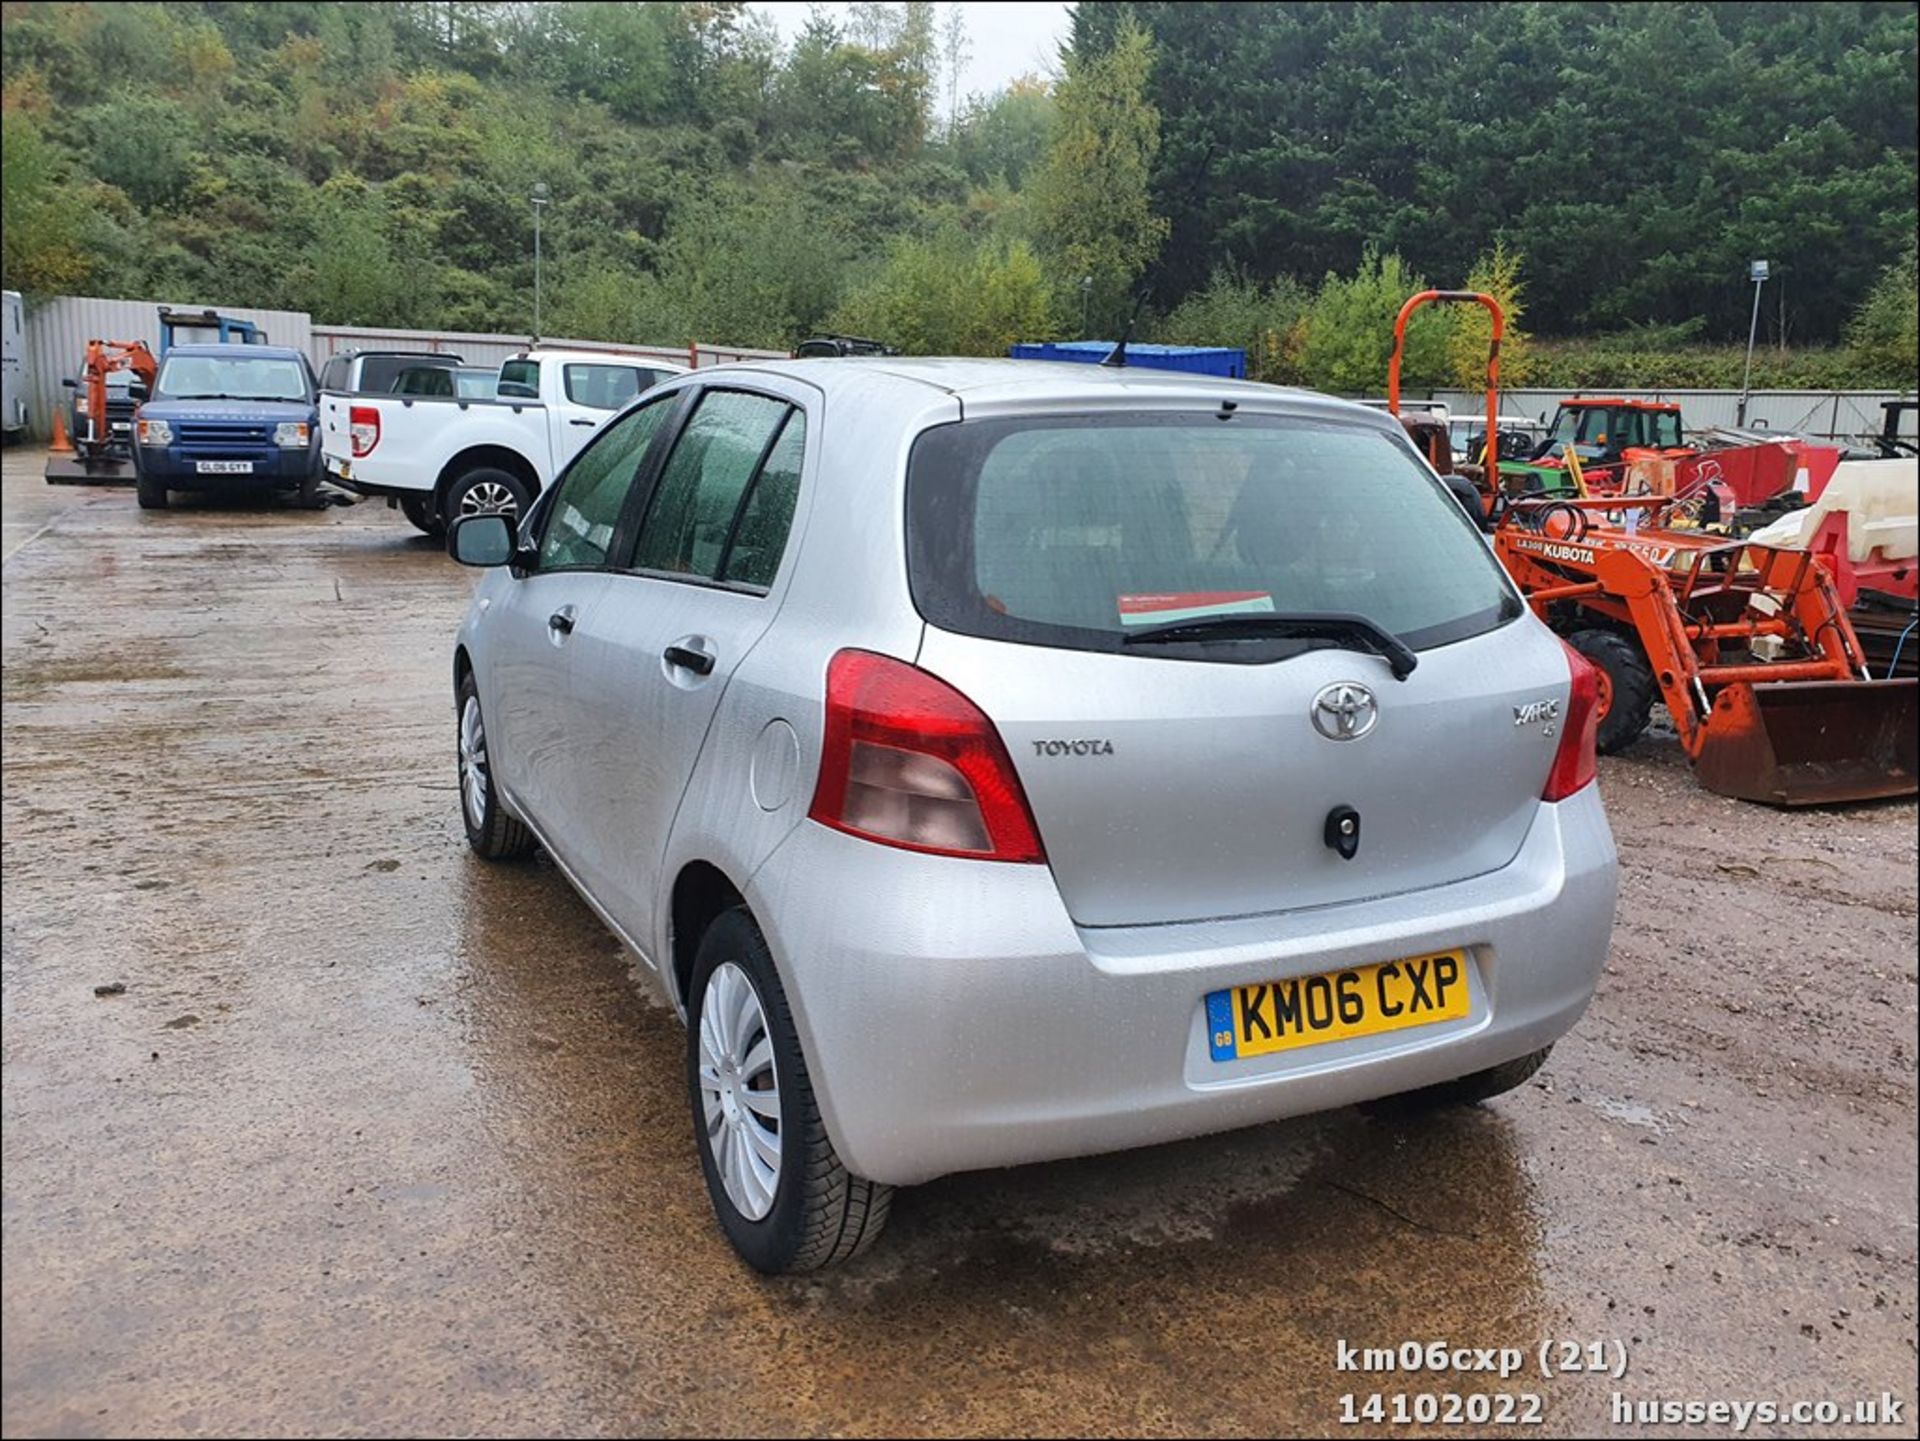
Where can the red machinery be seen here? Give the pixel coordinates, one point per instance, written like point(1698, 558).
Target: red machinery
point(1748, 645)
point(97, 457)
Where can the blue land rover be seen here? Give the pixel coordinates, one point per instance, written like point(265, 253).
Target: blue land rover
point(229, 417)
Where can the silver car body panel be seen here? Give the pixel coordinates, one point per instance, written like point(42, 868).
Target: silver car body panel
point(955, 1018)
point(960, 1013)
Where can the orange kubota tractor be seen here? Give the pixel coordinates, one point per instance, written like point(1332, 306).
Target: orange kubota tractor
point(1748, 645)
point(99, 457)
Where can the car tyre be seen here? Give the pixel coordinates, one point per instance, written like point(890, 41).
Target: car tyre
point(419, 511)
point(1626, 687)
point(493, 834)
point(814, 1212)
point(1467, 1090)
point(309, 496)
point(149, 491)
point(484, 491)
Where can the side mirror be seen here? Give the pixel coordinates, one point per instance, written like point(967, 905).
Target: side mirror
point(138, 392)
point(71, 383)
point(482, 540)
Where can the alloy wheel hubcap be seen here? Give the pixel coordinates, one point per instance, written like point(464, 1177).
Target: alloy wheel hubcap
point(473, 763)
point(740, 1091)
point(488, 498)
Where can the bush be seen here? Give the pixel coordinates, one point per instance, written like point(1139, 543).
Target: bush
point(1347, 340)
point(1885, 331)
point(1263, 320)
point(1612, 362)
point(952, 294)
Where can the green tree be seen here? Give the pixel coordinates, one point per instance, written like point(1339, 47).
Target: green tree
point(355, 272)
point(1264, 320)
point(952, 294)
point(143, 144)
point(1497, 273)
point(41, 245)
point(1885, 331)
point(1003, 137)
point(1638, 154)
point(1091, 198)
point(845, 101)
point(1347, 340)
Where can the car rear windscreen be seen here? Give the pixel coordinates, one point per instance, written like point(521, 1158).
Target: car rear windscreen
point(1086, 530)
point(380, 374)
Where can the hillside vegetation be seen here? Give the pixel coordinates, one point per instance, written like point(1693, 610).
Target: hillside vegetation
point(1275, 176)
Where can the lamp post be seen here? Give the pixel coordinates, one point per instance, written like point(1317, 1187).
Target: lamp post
point(539, 204)
point(1086, 296)
point(1757, 271)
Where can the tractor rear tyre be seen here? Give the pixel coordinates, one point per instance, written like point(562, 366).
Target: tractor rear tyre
point(1626, 687)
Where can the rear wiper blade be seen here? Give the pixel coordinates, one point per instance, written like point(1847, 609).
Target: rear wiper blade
point(1333, 625)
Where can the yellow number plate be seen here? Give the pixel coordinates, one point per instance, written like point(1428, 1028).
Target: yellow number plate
point(1309, 1010)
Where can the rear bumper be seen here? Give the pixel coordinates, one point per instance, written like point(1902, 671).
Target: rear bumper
point(343, 474)
point(955, 1018)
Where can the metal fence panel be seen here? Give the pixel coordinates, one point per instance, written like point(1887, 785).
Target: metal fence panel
point(477, 348)
point(1826, 414)
point(58, 329)
point(57, 332)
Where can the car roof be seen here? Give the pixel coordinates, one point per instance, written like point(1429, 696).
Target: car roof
point(256, 352)
point(997, 383)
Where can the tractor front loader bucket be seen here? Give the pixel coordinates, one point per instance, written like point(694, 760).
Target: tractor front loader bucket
point(77, 470)
point(1802, 743)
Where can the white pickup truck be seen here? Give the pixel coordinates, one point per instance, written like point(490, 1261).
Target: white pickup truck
point(442, 456)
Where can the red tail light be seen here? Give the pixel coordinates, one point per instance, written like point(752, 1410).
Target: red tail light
point(1574, 763)
point(908, 761)
point(365, 423)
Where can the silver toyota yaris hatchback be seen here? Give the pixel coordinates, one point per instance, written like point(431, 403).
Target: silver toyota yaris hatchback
point(997, 761)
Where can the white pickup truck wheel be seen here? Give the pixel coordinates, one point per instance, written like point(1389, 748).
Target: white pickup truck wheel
point(486, 491)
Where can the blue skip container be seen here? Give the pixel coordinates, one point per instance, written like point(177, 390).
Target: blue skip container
point(1194, 359)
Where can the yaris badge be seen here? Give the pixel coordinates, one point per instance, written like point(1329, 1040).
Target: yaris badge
point(1344, 711)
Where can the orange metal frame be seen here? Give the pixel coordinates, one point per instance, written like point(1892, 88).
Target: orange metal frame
point(102, 359)
point(1684, 594)
point(1456, 297)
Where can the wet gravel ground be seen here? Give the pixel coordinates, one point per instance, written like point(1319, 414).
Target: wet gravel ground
point(380, 1139)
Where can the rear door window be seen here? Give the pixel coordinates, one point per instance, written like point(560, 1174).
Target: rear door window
point(760, 538)
point(605, 387)
point(1082, 531)
point(520, 379)
point(705, 481)
point(381, 374)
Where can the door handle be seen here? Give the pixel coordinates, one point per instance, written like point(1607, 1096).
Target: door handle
point(562, 621)
point(582, 422)
point(687, 658)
